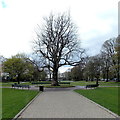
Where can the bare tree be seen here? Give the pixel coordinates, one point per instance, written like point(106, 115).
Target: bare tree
point(117, 47)
point(93, 68)
point(108, 53)
point(57, 42)
point(2, 59)
point(38, 64)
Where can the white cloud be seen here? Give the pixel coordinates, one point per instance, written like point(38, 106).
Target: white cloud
point(95, 18)
point(64, 68)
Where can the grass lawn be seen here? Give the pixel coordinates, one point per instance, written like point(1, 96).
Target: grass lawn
point(80, 83)
point(105, 96)
point(8, 84)
point(13, 100)
point(5, 84)
point(49, 86)
point(0, 103)
point(102, 83)
point(61, 86)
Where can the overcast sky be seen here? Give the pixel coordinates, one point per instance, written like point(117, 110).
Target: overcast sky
point(97, 21)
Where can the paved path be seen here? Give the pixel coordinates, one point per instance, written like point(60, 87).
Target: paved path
point(33, 87)
point(63, 104)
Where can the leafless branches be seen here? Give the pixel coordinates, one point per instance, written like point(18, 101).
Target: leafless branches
point(57, 42)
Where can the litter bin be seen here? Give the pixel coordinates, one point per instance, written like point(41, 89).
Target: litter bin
point(41, 88)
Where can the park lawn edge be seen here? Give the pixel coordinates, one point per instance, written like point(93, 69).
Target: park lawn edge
point(26, 106)
point(98, 103)
point(22, 106)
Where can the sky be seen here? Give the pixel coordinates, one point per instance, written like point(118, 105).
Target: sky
point(97, 21)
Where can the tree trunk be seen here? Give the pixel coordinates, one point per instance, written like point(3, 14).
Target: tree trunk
point(55, 77)
point(118, 71)
point(97, 81)
point(18, 79)
point(92, 78)
point(103, 73)
point(98, 76)
point(107, 75)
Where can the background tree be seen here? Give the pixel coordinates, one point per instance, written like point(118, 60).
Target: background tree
point(108, 56)
point(117, 49)
point(21, 68)
point(57, 42)
point(77, 73)
point(2, 59)
point(89, 72)
point(39, 73)
point(106, 65)
point(92, 68)
point(15, 66)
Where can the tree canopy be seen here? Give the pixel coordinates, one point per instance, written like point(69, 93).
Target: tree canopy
point(15, 66)
point(20, 68)
point(57, 43)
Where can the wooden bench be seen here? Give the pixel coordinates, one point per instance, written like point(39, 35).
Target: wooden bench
point(92, 85)
point(20, 86)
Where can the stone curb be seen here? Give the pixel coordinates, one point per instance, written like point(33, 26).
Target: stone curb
point(18, 115)
point(115, 115)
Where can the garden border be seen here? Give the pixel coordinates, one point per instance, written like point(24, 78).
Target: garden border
point(21, 111)
point(112, 113)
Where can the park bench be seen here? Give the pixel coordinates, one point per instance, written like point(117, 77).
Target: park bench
point(20, 86)
point(25, 86)
point(92, 85)
point(15, 85)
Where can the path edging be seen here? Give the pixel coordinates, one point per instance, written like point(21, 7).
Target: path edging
point(18, 115)
point(112, 113)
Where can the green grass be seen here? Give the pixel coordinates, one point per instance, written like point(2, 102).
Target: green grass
point(8, 84)
point(0, 104)
point(61, 86)
point(13, 100)
point(109, 83)
point(102, 83)
point(107, 97)
point(80, 83)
